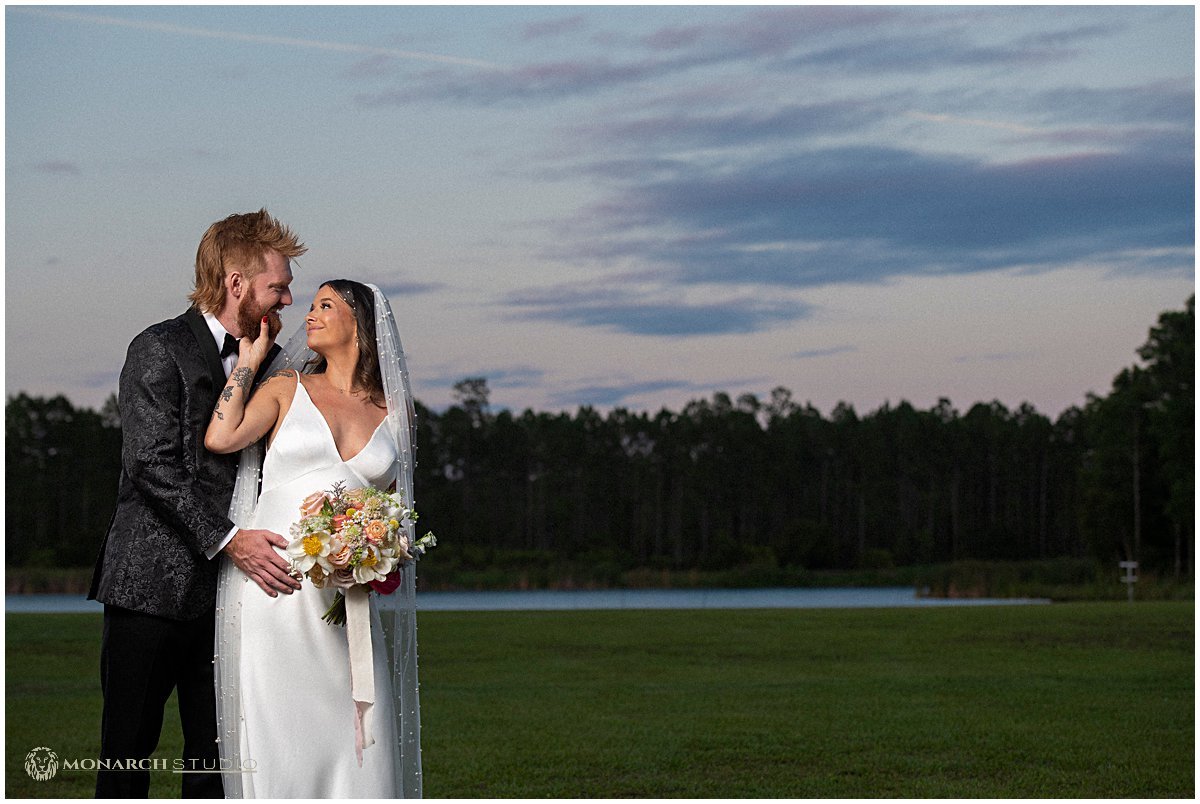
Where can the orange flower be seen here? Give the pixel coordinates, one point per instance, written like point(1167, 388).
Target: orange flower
point(376, 530)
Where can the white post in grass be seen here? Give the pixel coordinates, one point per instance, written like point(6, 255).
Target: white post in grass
point(1130, 576)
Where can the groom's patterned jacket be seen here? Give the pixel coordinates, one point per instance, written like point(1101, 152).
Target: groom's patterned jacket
point(173, 494)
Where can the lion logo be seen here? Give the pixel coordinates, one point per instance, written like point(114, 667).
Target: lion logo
point(41, 764)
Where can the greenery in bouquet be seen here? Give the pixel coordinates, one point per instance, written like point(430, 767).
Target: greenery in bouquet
point(347, 537)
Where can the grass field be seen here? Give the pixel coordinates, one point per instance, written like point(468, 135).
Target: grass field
point(1067, 700)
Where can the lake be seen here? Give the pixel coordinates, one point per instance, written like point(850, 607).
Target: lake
point(560, 600)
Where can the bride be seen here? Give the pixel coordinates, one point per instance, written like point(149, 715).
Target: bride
point(297, 717)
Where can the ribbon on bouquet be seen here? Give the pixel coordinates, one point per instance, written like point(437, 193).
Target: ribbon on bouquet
point(362, 664)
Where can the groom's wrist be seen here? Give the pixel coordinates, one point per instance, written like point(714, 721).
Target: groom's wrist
point(216, 549)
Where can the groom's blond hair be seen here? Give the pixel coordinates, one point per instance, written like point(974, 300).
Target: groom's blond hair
point(239, 242)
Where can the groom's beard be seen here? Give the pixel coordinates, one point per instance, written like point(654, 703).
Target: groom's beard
point(250, 315)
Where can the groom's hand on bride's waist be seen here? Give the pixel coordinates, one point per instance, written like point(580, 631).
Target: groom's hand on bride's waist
point(252, 553)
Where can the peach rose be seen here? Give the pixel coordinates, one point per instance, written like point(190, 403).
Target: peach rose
point(343, 578)
point(313, 503)
point(339, 554)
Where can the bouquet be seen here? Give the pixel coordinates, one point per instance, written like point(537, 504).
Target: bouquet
point(354, 536)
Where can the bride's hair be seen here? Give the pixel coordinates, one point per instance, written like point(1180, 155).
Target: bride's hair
point(361, 300)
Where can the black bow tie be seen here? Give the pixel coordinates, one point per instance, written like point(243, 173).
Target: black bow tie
point(230, 347)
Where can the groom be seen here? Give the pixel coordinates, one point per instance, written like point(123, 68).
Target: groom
point(157, 570)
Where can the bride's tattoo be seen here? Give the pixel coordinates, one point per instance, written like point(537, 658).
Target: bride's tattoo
point(277, 373)
point(241, 378)
point(226, 395)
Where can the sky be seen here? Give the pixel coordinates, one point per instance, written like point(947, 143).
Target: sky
point(621, 206)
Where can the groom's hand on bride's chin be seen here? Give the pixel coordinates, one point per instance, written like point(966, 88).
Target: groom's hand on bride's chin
point(251, 552)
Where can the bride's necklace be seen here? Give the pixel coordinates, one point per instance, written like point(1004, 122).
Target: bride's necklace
point(352, 391)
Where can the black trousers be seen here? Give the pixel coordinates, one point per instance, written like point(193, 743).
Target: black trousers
point(142, 658)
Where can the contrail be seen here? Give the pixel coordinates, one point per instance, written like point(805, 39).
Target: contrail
point(970, 121)
point(234, 36)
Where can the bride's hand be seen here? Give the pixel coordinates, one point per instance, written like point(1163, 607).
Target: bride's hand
point(254, 352)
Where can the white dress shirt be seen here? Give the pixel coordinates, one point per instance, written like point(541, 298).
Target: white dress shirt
point(219, 332)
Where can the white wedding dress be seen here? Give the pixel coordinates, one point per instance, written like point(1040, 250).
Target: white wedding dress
point(298, 725)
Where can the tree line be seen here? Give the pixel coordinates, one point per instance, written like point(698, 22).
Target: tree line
point(727, 482)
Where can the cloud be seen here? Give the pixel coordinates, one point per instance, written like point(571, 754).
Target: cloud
point(997, 357)
point(1061, 113)
point(969, 121)
point(618, 393)
point(936, 50)
point(918, 41)
point(497, 377)
point(1170, 102)
point(781, 40)
point(865, 214)
point(833, 350)
point(1153, 117)
point(99, 379)
point(1179, 261)
point(768, 42)
point(758, 34)
point(58, 166)
point(740, 127)
point(675, 38)
point(262, 39)
point(1116, 137)
point(376, 66)
point(768, 32)
point(552, 27)
point(624, 311)
point(513, 377)
point(542, 81)
point(615, 394)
